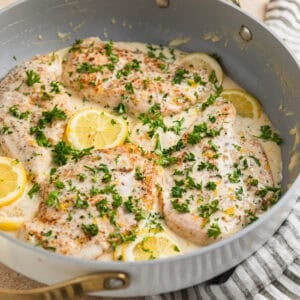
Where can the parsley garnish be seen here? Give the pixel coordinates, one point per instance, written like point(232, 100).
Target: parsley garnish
point(180, 75)
point(49, 116)
point(268, 135)
point(80, 203)
point(206, 210)
point(53, 199)
point(234, 177)
point(14, 111)
point(177, 191)
point(102, 207)
point(62, 152)
point(214, 231)
point(76, 46)
point(120, 109)
point(181, 207)
point(5, 130)
point(90, 230)
point(208, 166)
point(154, 119)
point(138, 174)
point(211, 186)
point(129, 88)
point(55, 87)
point(132, 206)
point(35, 189)
point(189, 156)
point(200, 132)
point(32, 78)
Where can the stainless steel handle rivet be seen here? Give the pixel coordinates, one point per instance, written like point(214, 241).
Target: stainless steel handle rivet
point(162, 3)
point(114, 283)
point(245, 33)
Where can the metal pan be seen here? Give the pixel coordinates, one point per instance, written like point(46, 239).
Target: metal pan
point(249, 53)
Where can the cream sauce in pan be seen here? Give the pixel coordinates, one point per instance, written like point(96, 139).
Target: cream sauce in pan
point(182, 241)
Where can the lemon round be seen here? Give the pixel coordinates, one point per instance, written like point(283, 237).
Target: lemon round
point(245, 104)
point(13, 180)
point(11, 223)
point(13, 216)
point(151, 246)
point(96, 128)
point(203, 61)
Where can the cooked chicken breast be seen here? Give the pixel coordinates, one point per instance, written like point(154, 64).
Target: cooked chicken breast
point(111, 74)
point(94, 204)
point(33, 110)
point(221, 179)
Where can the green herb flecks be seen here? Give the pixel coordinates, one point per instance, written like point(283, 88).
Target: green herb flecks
point(267, 134)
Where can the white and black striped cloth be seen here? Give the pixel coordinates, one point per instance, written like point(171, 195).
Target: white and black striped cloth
point(273, 272)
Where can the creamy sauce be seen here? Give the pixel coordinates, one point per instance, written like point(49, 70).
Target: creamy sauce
point(248, 125)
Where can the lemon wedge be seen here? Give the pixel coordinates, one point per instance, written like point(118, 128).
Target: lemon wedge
point(12, 180)
point(245, 104)
point(95, 128)
point(150, 246)
point(205, 62)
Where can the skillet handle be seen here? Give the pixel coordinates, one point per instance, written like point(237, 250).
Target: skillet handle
point(101, 281)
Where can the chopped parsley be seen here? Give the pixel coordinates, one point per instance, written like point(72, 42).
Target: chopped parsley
point(76, 46)
point(189, 156)
point(120, 109)
point(256, 160)
point(181, 207)
point(177, 128)
point(235, 176)
point(55, 87)
point(153, 119)
point(5, 130)
point(53, 199)
point(62, 152)
point(214, 231)
point(268, 135)
point(177, 191)
point(49, 116)
point(180, 75)
point(129, 88)
point(207, 166)
point(200, 132)
point(40, 137)
point(32, 78)
point(206, 210)
point(238, 193)
point(211, 186)
point(132, 206)
point(80, 203)
point(102, 207)
point(90, 230)
point(34, 189)
point(251, 217)
point(14, 111)
point(138, 174)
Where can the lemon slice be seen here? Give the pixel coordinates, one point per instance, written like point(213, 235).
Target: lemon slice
point(14, 215)
point(246, 105)
point(12, 180)
point(11, 223)
point(205, 62)
point(95, 128)
point(151, 246)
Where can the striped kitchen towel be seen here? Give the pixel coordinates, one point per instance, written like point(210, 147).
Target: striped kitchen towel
point(273, 272)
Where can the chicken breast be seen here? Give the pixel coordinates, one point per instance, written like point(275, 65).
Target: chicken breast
point(221, 179)
point(112, 74)
point(33, 110)
point(92, 205)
